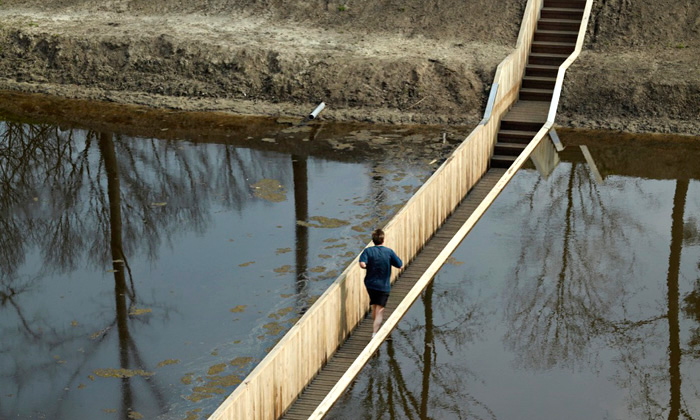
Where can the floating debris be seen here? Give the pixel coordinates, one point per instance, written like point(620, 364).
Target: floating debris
point(246, 264)
point(286, 295)
point(224, 381)
point(281, 313)
point(319, 269)
point(216, 369)
point(240, 361)
point(99, 333)
point(329, 275)
point(137, 312)
point(273, 328)
point(193, 414)
point(187, 379)
point(196, 397)
point(135, 415)
point(283, 250)
point(121, 373)
point(270, 190)
point(283, 270)
point(81, 386)
point(454, 261)
point(167, 362)
point(323, 222)
point(340, 146)
point(239, 308)
point(160, 204)
point(297, 129)
point(208, 389)
point(74, 323)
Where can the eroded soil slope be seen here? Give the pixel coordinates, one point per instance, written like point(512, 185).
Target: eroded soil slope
point(369, 60)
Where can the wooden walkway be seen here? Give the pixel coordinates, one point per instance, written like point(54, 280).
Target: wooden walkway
point(554, 39)
point(552, 34)
point(349, 351)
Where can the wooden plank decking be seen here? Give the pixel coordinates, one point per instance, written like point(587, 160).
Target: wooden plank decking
point(321, 385)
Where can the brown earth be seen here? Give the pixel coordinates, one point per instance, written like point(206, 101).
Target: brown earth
point(381, 61)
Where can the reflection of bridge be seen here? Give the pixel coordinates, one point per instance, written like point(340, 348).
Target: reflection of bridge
point(318, 358)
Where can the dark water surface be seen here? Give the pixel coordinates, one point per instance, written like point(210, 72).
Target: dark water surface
point(145, 271)
point(575, 297)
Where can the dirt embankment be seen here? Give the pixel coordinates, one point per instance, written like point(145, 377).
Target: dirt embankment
point(408, 61)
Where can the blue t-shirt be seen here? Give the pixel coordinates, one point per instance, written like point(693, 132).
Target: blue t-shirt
point(379, 260)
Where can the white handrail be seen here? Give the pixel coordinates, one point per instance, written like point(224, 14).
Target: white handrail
point(565, 65)
point(489, 104)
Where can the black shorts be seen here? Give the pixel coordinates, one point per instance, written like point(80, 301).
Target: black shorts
point(377, 298)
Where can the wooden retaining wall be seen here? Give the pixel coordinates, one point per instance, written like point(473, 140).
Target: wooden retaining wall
point(277, 380)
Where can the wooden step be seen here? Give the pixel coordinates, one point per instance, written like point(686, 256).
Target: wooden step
point(565, 4)
point(514, 125)
point(530, 94)
point(553, 47)
point(556, 36)
point(561, 13)
point(547, 59)
point(502, 161)
point(535, 82)
point(558, 25)
point(509, 149)
point(516, 136)
point(541, 70)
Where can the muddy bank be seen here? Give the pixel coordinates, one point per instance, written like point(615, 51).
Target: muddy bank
point(370, 61)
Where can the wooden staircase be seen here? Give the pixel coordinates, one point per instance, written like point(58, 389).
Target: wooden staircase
point(554, 41)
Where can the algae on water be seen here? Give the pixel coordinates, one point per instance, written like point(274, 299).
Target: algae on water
point(137, 311)
point(323, 222)
point(121, 373)
point(167, 362)
point(216, 369)
point(240, 361)
point(270, 190)
point(284, 269)
point(281, 313)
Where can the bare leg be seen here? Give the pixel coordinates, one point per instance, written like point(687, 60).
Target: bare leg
point(377, 316)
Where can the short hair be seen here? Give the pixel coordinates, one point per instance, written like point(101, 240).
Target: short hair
point(378, 237)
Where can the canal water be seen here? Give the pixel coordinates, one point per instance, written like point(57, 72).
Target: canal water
point(150, 260)
point(577, 296)
point(147, 266)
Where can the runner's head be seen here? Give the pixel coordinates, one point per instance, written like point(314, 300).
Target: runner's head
point(378, 237)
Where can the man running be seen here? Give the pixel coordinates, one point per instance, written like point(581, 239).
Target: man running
point(377, 260)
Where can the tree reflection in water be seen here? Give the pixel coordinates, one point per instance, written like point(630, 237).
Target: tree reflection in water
point(79, 197)
point(433, 389)
point(580, 296)
point(76, 204)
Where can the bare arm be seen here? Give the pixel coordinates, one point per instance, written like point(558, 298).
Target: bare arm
point(363, 265)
